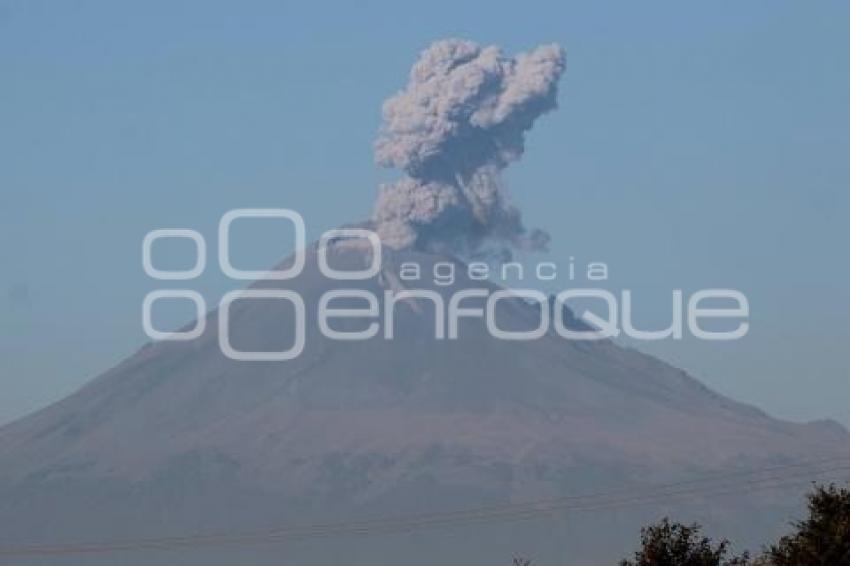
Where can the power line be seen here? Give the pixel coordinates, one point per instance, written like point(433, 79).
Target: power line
point(776, 477)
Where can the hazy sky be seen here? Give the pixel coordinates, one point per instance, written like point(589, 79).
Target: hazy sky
point(696, 145)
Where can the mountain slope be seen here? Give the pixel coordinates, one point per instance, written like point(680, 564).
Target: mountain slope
point(179, 439)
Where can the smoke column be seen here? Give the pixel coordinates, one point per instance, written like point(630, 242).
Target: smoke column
point(461, 119)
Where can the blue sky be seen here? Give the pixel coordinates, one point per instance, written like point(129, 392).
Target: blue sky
point(696, 145)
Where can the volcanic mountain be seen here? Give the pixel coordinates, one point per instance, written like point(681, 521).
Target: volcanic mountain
point(181, 440)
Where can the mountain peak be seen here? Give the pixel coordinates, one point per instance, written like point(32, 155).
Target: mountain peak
point(346, 426)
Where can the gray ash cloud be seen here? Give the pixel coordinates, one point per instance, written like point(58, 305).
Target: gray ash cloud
point(459, 122)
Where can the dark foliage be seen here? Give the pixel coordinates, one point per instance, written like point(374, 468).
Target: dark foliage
point(674, 544)
point(821, 540)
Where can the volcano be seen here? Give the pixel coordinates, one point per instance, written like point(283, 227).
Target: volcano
point(181, 440)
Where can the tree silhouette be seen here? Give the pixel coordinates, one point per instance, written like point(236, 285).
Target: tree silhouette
point(675, 544)
point(821, 540)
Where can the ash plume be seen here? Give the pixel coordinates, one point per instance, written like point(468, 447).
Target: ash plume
point(462, 119)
